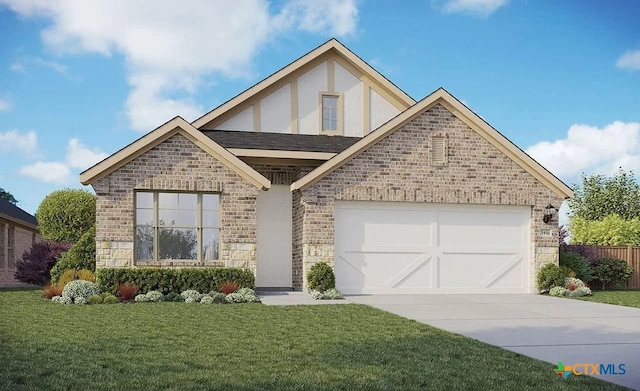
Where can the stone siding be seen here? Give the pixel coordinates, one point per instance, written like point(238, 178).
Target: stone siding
point(398, 168)
point(174, 165)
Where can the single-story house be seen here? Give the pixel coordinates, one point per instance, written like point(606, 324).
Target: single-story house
point(18, 231)
point(326, 160)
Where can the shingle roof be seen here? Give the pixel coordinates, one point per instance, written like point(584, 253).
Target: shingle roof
point(280, 141)
point(11, 210)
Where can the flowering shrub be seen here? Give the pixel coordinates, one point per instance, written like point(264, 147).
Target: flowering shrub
point(141, 298)
point(191, 294)
point(155, 296)
point(217, 297)
point(243, 295)
point(559, 291)
point(61, 300)
point(80, 290)
point(573, 283)
point(206, 300)
point(581, 291)
point(332, 294)
point(329, 294)
point(316, 294)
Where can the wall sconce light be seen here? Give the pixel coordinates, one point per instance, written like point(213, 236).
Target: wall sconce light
point(549, 212)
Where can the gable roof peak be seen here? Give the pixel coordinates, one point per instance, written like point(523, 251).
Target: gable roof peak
point(462, 112)
point(289, 70)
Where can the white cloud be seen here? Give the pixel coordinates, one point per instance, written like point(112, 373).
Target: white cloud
point(5, 104)
point(48, 172)
point(629, 60)
point(168, 49)
point(25, 143)
point(338, 17)
point(588, 149)
point(78, 157)
point(82, 157)
point(482, 8)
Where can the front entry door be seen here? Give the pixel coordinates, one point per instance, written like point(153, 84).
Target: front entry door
point(273, 253)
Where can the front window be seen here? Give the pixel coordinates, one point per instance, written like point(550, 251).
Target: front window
point(330, 112)
point(177, 226)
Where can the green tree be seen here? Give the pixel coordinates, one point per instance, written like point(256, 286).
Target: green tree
point(5, 195)
point(612, 230)
point(82, 255)
point(606, 210)
point(601, 196)
point(65, 215)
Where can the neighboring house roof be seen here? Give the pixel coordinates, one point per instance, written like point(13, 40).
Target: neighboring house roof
point(176, 126)
point(440, 96)
point(332, 46)
point(280, 141)
point(17, 215)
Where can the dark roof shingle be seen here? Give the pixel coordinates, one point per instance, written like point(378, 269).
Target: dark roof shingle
point(280, 141)
point(7, 208)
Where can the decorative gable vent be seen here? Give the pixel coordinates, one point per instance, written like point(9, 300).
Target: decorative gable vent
point(438, 150)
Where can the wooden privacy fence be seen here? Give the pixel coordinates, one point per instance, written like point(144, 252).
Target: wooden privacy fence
point(631, 254)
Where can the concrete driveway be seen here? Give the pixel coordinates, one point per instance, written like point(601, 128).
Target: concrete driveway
point(547, 328)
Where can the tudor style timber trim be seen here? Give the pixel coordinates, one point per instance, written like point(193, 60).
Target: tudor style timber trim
point(330, 52)
point(440, 96)
point(176, 126)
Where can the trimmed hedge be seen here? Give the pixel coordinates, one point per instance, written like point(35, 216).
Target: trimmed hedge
point(176, 280)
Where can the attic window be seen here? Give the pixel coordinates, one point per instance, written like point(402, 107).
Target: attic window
point(330, 112)
point(439, 150)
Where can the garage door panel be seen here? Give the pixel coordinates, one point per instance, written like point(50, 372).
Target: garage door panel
point(482, 271)
point(355, 270)
point(389, 247)
point(481, 229)
point(386, 227)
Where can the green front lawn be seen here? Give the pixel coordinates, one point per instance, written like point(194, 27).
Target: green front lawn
point(181, 346)
point(628, 298)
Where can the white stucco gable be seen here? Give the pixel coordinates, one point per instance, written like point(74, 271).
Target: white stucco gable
point(290, 100)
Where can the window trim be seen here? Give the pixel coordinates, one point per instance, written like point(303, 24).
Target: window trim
point(156, 227)
point(339, 128)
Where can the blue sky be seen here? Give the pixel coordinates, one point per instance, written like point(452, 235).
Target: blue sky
point(80, 80)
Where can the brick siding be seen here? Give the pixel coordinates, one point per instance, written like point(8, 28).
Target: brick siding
point(398, 168)
point(174, 165)
point(14, 241)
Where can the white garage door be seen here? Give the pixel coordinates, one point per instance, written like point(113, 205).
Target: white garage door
point(389, 247)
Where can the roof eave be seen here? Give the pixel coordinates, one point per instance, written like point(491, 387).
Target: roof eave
point(460, 111)
point(162, 133)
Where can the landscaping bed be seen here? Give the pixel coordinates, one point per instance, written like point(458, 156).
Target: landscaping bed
point(168, 345)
